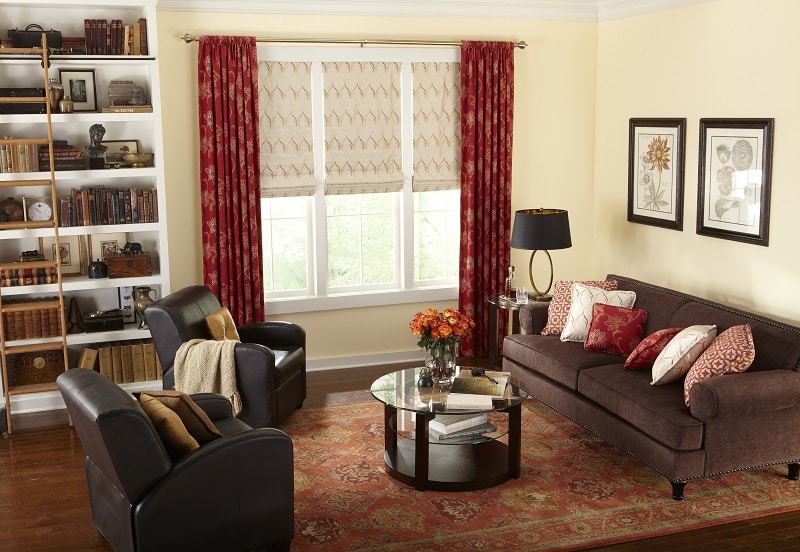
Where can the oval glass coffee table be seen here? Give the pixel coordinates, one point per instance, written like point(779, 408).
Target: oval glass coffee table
point(415, 456)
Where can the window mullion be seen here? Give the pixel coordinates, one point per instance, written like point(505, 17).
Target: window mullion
point(406, 210)
point(320, 212)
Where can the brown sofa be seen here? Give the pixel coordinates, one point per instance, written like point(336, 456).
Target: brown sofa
point(735, 421)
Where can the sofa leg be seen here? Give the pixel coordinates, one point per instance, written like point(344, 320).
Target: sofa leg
point(794, 472)
point(677, 489)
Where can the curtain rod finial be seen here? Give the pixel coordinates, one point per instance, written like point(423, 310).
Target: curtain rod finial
point(522, 44)
point(187, 38)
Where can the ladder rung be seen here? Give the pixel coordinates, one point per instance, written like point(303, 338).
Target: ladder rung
point(31, 306)
point(22, 99)
point(33, 51)
point(13, 141)
point(27, 224)
point(28, 264)
point(17, 183)
point(32, 388)
point(34, 348)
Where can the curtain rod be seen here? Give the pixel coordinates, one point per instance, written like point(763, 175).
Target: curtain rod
point(363, 42)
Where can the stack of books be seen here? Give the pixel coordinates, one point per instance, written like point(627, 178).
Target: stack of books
point(451, 426)
point(124, 361)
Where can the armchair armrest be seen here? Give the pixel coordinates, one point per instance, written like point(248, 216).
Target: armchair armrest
point(214, 405)
point(249, 474)
point(745, 393)
point(533, 317)
point(275, 334)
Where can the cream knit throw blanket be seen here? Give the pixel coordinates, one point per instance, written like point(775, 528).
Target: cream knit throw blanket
point(208, 366)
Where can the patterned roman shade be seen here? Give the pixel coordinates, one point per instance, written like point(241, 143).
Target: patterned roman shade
point(437, 126)
point(362, 127)
point(287, 150)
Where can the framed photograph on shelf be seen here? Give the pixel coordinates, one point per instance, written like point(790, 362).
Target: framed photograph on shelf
point(734, 179)
point(100, 245)
point(655, 172)
point(79, 87)
point(116, 148)
point(73, 260)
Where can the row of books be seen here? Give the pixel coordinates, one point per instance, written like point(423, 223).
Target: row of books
point(31, 323)
point(104, 37)
point(123, 361)
point(101, 205)
point(17, 158)
point(28, 276)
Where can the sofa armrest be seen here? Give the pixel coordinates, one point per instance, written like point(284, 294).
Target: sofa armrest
point(276, 334)
point(533, 317)
point(745, 393)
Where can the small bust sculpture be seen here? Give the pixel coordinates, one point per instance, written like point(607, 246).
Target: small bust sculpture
point(96, 133)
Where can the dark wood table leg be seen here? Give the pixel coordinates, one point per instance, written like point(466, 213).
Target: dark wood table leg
point(389, 435)
point(493, 352)
point(421, 451)
point(514, 440)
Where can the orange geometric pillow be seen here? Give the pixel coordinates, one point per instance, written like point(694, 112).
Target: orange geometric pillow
point(732, 351)
point(646, 352)
point(615, 330)
point(561, 302)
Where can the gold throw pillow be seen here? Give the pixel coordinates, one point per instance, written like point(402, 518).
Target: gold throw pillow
point(221, 325)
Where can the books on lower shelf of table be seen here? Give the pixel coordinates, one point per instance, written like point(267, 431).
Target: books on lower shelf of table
point(450, 423)
point(473, 431)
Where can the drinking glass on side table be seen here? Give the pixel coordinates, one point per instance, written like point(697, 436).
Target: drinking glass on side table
point(414, 457)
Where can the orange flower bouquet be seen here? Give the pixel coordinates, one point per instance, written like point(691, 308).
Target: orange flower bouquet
point(438, 334)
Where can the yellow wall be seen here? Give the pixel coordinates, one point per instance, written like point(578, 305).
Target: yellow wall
point(731, 59)
point(553, 144)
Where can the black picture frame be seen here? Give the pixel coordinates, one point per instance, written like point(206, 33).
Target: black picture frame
point(79, 86)
point(735, 179)
point(656, 157)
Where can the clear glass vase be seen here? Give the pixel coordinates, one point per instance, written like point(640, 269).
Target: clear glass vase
point(441, 361)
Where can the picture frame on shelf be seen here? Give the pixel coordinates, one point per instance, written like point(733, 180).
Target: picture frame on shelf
point(100, 245)
point(37, 208)
point(115, 149)
point(79, 86)
point(655, 171)
point(735, 179)
point(126, 304)
point(73, 260)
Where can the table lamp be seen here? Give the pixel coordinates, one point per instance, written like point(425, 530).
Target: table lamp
point(541, 230)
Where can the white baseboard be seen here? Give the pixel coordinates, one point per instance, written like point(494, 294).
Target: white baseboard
point(338, 363)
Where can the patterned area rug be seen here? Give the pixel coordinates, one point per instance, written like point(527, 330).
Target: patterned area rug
point(575, 491)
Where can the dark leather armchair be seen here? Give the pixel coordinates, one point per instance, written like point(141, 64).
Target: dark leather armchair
point(270, 360)
point(233, 493)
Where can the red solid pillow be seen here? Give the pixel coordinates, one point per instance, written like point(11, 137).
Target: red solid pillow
point(646, 352)
point(615, 330)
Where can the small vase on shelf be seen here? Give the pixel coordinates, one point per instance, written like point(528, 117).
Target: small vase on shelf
point(142, 301)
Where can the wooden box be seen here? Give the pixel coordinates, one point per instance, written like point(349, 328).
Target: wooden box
point(126, 266)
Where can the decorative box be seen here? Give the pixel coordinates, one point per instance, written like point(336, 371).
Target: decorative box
point(126, 266)
point(103, 321)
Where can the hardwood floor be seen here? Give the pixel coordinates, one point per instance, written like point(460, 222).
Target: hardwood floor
point(44, 503)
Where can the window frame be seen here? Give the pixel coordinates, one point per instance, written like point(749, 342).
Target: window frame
point(321, 297)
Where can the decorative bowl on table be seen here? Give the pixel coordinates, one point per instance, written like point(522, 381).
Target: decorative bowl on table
point(138, 159)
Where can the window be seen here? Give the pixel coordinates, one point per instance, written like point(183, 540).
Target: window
point(360, 172)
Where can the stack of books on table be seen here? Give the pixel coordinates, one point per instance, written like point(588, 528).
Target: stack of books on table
point(493, 383)
point(456, 426)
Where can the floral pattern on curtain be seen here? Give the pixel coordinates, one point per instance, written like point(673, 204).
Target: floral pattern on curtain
point(487, 109)
point(230, 188)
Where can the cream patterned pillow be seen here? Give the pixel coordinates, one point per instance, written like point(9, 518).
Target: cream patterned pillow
point(680, 353)
point(559, 306)
point(580, 311)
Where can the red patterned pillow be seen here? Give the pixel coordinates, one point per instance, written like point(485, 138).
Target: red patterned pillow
point(561, 302)
point(732, 351)
point(615, 330)
point(646, 352)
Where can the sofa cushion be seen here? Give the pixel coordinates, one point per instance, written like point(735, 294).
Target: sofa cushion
point(657, 411)
point(732, 351)
point(615, 330)
point(559, 306)
point(177, 440)
point(648, 349)
point(194, 418)
point(554, 359)
point(580, 312)
point(681, 352)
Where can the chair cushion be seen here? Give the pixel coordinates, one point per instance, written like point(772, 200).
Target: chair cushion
point(221, 325)
point(194, 418)
point(173, 433)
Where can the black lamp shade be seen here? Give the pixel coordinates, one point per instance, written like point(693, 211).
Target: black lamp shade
point(536, 229)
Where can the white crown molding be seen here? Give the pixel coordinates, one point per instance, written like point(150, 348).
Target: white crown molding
point(533, 10)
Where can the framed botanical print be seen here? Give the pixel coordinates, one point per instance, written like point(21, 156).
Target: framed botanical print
point(655, 172)
point(734, 179)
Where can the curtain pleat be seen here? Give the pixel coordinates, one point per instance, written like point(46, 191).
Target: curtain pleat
point(230, 188)
point(487, 109)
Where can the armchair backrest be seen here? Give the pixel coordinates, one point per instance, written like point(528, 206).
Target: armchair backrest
point(178, 318)
point(115, 432)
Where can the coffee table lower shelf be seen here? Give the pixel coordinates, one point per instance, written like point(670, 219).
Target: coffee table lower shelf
point(467, 467)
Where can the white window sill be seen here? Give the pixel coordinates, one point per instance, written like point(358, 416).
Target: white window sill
point(359, 300)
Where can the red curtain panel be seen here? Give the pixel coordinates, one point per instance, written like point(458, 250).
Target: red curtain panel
point(487, 109)
point(230, 174)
